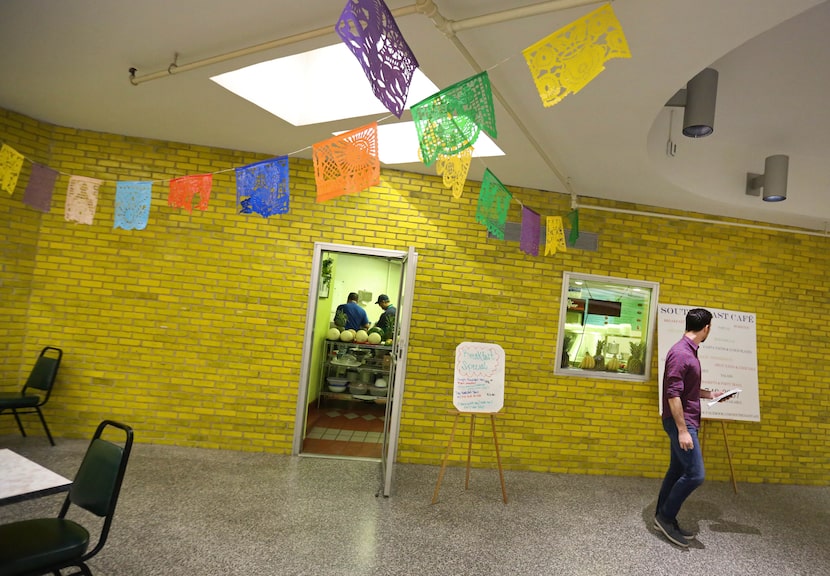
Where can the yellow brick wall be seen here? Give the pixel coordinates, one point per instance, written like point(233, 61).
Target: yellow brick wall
point(18, 248)
point(187, 330)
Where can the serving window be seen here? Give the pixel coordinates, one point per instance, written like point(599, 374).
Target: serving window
point(606, 327)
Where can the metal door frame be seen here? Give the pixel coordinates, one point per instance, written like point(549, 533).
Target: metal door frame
point(409, 260)
point(399, 353)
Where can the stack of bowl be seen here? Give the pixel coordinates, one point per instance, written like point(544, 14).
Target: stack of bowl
point(379, 388)
point(358, 388)
point(337, 384)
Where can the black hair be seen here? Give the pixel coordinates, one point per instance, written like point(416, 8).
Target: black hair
point(352, 296)
point(697, 319)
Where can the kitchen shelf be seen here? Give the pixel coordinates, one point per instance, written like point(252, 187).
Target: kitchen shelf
point(371, 362)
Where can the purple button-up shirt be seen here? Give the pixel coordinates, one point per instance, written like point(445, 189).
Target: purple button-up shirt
point(681, 379)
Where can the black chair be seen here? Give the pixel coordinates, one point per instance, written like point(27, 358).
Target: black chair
point(36, 391)
point(44, 545)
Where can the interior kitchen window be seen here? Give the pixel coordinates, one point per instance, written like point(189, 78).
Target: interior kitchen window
point(606, 327)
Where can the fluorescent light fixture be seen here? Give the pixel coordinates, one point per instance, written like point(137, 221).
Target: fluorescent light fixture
point(398, 144)
point(318, 86)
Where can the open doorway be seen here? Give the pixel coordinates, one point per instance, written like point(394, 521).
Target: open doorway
point(351, 383)
point(346, 410)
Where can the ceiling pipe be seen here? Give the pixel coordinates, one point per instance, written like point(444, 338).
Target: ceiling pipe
point(804, 232)
point(425, 7)
point(175, 68)
point(428, 8)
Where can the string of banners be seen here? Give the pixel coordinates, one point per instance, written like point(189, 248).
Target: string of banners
point(447, 123)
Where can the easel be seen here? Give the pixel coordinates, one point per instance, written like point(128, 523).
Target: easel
point(469, 452)
point(728, 452)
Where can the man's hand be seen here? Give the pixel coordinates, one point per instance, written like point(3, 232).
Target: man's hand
point(717, 393)
point(685, 440)
point(683, 436)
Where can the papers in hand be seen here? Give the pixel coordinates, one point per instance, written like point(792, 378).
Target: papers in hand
point(724, 396)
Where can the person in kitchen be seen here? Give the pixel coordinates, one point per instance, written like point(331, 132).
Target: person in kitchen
point(387, 318)
point(350, 315)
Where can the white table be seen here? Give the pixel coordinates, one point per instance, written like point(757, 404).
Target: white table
point(22, 479)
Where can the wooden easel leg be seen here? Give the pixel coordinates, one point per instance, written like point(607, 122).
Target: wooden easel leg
point(444, 462)
point(498, 458)
point(470, 450)
point(729, 456)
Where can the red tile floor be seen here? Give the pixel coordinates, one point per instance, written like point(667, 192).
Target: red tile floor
point(342, 428)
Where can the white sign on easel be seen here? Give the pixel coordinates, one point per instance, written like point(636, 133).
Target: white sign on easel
point(478, 389)
point(479, 377)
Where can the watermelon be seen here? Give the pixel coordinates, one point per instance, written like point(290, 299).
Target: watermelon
point(377, 330)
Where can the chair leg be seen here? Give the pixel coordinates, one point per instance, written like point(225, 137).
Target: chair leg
point(19, 423)
point(45, 427)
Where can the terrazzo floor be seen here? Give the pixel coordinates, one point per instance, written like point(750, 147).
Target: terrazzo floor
point(197, 511)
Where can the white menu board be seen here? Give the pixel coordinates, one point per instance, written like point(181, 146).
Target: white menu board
point(479, 377)
point(728, 359)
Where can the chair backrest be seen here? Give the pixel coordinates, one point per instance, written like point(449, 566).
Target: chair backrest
point(97, 484)
point(43, 374)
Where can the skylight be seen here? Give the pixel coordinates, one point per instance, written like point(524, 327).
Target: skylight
point(328, 84)
point(318, 86)
point(398, 144)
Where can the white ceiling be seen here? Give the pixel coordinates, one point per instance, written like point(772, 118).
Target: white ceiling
point(67, 63)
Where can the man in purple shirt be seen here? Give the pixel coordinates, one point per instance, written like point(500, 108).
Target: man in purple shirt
point(681, 421)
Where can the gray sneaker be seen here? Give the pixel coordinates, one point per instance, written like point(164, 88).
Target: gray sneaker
point(684, 533)
point(670, 531)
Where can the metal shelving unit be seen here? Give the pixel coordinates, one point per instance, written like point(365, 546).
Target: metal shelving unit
point(370, 357)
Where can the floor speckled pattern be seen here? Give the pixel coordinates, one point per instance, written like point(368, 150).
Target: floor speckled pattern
point(195, 511)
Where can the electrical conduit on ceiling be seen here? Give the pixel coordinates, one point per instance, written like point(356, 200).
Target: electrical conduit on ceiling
point(805, 232)
point(425, 7)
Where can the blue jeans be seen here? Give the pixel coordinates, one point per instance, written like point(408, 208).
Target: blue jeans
point(684, 475)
